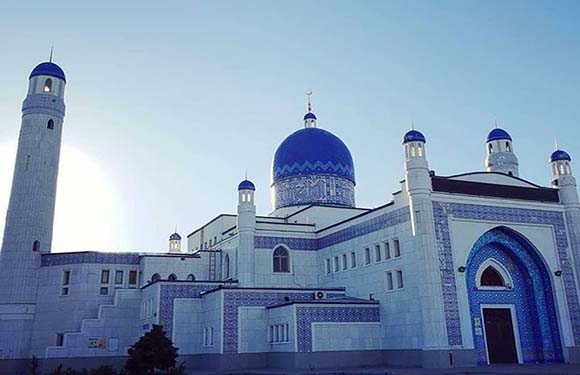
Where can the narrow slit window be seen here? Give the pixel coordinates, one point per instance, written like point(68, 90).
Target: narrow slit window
point(36, 246)
point(50, 124)
point(48, 85)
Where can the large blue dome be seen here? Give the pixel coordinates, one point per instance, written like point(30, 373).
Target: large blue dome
point(48, 69)
point(498, 134)
point(312, 151)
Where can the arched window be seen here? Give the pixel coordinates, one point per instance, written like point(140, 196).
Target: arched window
point(155, 277)
point(48, 85)
point(190, 277)
point(412, 151)
point(172, 277)
point(490, 148)
point(490, 277)
point(36, 246)
point(419, 150)
point(281, 260)
point(562, 169)
point(50, 124)
point(227, 267)
point(507, 146)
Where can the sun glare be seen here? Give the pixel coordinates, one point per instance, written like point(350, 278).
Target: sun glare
point(88, 211)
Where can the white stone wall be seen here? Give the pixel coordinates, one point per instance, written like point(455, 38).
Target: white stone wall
point(58, 313)
point(165, 265)
point(346, 336)
point(281, 315)
point(252, 330)
point(188, 325)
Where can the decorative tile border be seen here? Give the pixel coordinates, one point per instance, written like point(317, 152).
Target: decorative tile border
point(305, 316)
point(442, 211)
point(317, 188)
point(59, 259)
point(168, 293)
point(383, 221)
point(312, 168)
point(531, 294)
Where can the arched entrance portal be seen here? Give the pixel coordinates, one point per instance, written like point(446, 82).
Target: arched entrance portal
point(511, 302)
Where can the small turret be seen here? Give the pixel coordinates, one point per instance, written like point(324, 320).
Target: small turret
point(175, 243)
point(562, 177)
point(500, 153)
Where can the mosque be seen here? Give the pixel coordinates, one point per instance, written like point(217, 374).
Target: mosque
point(466, 270)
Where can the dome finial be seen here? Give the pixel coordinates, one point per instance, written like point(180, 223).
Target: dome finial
point(557, 144)
point(309, 117)
point(51, 51)
point(412, 125)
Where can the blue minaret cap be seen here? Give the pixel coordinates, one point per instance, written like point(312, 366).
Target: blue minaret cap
point(309, 116)
point(560, 155)
point(175, 237)
point(246, 185)
point(498, 134)
point(48, 69)
point(414, 136)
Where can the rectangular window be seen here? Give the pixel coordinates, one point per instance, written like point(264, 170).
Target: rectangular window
point(378, 253)
point(397, 248)
point(104, 291)
point(352, 259)
point(65, 291)
point(65, 278)
point(271, 338)
point(367, 255)
point(60, 339)
point(344, 262)
point(214, 240)
point(328, 269)
point(387, 250)
point(287, 333)
point(205, 336)
point(210, 336)
point(336, 265)
point(389, 281)
point(119, 277)
point(399, 279)
point(132, 277)
point(104, 276)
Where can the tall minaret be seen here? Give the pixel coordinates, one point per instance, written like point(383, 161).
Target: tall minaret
point(29, 221)
point(247, 233)
point(419, 188)
point(500, 153)
point(563, 179)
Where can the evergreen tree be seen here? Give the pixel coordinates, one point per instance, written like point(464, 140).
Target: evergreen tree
point(153, 351)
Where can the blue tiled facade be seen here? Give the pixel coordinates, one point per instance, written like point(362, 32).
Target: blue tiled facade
point(555, 219)
point(168, 294)
point(531, 294)
point(234, 300)
point(307, 315)
point(309, 189)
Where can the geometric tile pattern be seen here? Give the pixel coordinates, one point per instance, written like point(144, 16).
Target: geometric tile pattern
point(88, 257)
point(530, 293)
point(442, 211)
point(305, 316)
point(314, 168)
point(386, 220)
point(169, 293)
point(322, 189)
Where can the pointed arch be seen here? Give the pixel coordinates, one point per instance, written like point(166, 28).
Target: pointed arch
point(281, 259)
point(493, 275)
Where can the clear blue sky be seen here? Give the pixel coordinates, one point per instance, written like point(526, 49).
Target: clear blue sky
point(175, 100)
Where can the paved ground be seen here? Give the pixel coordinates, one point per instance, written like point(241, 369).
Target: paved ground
point(487, 370)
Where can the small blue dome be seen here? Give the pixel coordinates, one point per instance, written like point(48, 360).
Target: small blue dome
point(309, 116)
point(312, 151)
point(175, 237)
point(246, 185)
point(560, 155)
point(414, 136)
point(498, 134)
point(48, 69)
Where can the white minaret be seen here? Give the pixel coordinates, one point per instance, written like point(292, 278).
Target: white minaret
point(564, 181)
point(500, 153)
point(175, 243)
point(247, 233)
point(29, 221)
point(419, 187)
